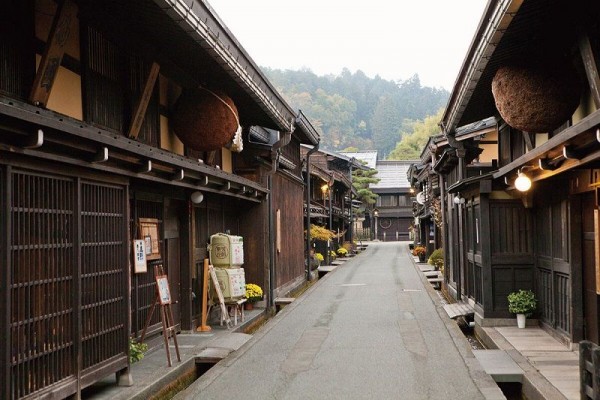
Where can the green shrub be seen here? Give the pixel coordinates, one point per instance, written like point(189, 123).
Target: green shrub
point(136, 350)
point(522, 302)
point(437, 259)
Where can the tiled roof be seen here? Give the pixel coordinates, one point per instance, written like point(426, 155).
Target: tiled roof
point(370, 157)
point(392, 174)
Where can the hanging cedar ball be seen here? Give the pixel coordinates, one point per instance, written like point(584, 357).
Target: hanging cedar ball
point(536, 98)
point(202, 120)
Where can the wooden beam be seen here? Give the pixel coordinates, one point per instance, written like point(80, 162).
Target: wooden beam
point(178, 175)
point(34, 140)
point(591, 69)
point(547, 165)
point(62, 26)
point(142, 104)
point(570, 153)
point(146, 167)
point(203, 181)
point(101, 155)
point(529, 140)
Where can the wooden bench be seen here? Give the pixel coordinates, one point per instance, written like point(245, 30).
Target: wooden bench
point(324, 269)
point(281, 302)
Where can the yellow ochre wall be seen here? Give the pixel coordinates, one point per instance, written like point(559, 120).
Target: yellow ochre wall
point(66, 95)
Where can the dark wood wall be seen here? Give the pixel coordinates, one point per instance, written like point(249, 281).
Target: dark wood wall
point(288, 199)
point(511, 251)
point(553, 269)
point(391, 225)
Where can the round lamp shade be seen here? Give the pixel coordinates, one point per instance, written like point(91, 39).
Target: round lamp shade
point(522, 183)
point(197, 197)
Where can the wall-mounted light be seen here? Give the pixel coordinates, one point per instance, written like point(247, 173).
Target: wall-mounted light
point(522, 183)
point(197, 197)
point(324, 188)
point(458, 200)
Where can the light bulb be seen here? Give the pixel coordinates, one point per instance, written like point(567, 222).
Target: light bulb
point(522, 183)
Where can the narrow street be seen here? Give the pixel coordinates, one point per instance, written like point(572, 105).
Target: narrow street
point(368, 330)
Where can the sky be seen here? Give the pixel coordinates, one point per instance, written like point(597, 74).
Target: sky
point(392, 39)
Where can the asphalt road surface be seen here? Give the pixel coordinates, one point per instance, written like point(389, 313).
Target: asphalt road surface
point(368, 330)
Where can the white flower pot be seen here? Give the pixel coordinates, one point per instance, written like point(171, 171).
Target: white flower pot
point(521, 320)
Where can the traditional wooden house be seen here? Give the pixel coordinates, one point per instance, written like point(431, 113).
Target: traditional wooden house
point(394, 201)
point(117, 116)
point(533, 65)
point(331, 190)
point(426, 194)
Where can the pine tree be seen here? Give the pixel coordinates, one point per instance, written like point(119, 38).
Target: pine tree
point(361, 180)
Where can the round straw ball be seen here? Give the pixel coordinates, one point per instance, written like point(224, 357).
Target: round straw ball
point(536, 98)
point(201, 120)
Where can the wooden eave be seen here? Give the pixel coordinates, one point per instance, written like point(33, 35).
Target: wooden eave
point(446, 162)
point(495, 21)
point(423, 175)
point(582, 139)
point(468, 182)
point(343, 179)
point(74, 142)
point(305, 130)
point(320, 173)
point(476, 133)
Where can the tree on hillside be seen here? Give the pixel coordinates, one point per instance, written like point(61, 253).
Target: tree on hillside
point(412, 143)
point(352, 109)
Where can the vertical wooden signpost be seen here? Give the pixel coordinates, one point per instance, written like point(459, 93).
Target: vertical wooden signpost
point(163, 298)
point(205, 276)
point(224, 311)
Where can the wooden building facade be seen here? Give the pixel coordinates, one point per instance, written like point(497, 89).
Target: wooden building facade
point(526, 104)
point(394, 201)
point(90, 93)
point(331, 191)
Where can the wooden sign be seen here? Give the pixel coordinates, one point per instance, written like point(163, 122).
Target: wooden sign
point(148, 231)
point(162, 284)
point(139, 257)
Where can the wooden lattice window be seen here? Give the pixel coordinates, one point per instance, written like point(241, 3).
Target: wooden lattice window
point(143, 293)
point(103, 273)
point(105, 94)
point(114, 81)
point(17, 57)
point(67, 280)
point(42, 282)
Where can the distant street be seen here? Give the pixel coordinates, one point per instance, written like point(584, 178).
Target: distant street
point(369, 330)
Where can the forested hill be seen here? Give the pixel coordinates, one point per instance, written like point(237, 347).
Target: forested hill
point(353, 110)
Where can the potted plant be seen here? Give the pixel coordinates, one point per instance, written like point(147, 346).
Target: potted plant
point(437, 259)
point(342, 252)
point(522, 303)
point(254, 293)
point(419, 251)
